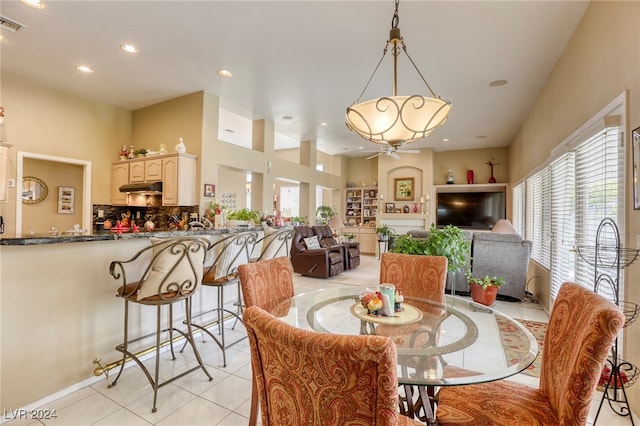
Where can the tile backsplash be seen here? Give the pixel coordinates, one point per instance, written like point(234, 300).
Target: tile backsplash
point(160, 215)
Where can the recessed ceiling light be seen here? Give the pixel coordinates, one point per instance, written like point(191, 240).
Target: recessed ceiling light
point(287, 117)
point(361, 147)
point(36, 4)
point(324, 124)
point(497, 83)
point(84, 69)
point(445, 140)
point(129, 48)
point(225, 73)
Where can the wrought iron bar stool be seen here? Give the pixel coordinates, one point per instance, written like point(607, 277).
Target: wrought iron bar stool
point(221, 270)
point(172, 271)
point(275, 243)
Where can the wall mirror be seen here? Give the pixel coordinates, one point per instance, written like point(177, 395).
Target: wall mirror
point(34, 190)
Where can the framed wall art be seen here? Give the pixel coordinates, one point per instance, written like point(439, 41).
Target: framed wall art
point(209, 190)
point(403, 189)
point(635, 145)
point(66, 199)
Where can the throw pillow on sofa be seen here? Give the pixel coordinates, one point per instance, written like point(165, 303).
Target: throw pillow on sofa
point(312, 243)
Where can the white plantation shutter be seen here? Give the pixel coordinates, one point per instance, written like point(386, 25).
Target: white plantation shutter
point(518, 207)
point(563, 237)
point(538, 215)
point(599, 192)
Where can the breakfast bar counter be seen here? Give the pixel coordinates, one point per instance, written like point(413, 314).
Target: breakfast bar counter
point(59, 310)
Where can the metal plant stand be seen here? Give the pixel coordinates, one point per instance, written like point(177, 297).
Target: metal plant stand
point(608, 259)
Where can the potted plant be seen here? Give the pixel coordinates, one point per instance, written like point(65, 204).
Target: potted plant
point(242, 217)
point(141, 152)
point(448, 241)
point(349, 237)
point(484, 290)
point(324, 214)
point(385, 232)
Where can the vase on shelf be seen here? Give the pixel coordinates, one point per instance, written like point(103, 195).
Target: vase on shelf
point(405, 208)
point(469, 177)
point(415, 207)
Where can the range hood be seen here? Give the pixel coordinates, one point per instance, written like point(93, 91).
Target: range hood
point(144, 188)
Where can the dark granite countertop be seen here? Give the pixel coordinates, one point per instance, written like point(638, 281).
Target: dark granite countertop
point(39, 239)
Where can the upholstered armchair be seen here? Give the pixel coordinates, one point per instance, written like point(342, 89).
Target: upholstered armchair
point(320, 262)
point(351, 250)
point(581, 330)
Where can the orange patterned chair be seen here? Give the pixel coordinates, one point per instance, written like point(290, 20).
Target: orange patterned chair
point(266, 284)
point(305, 377)
point(423, 277)
point(581, 330)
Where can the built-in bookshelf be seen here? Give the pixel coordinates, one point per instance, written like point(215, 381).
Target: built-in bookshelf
point(361, 206)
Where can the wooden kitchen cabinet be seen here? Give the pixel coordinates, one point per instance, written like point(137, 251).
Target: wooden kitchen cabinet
point(368, 240)
point(179, 180)
point(145, 170)
point(177, 172)
point(119, 177)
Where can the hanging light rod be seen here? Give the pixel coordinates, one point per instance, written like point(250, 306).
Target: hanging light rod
point(396, 120)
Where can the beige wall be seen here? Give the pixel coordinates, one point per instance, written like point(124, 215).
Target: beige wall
point(473, 159)
point(46, 121)
point(42, 216)
point(601, 61)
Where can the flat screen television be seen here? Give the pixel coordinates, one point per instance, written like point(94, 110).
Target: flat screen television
point(472, 210)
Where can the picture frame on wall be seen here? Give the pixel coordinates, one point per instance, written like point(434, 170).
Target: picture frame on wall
point(66, 200)
point(390, 207)
point(403, 189)
point(209, 190)
point(635, 145)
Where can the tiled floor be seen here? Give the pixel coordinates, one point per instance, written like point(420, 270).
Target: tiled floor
point(193, 400)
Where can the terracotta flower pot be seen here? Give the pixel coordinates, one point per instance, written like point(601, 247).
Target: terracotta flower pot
point(485, 297)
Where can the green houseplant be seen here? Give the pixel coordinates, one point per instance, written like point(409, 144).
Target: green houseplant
point(324, 214)
point(484, 290)
point(244, 215)
point(448, 241)
point(385, 232)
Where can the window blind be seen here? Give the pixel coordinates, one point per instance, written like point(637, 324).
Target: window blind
point(538, 215)
point(563, 238)
point(518, 206)
point(599, 194)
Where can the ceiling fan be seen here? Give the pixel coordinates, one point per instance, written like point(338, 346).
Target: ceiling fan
point(393, 151)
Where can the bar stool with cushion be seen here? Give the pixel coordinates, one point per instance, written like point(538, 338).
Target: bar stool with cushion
point(275, 243)
point(221, 270)
point(305, 377)
point(581, 330)
point(171, 272)
point(266, 284)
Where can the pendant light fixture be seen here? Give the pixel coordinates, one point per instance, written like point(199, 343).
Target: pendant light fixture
point(396, 120)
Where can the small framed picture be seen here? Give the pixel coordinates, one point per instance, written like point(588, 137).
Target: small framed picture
point(390, 207)
point(366, 202)
point(367, 212)
point(209, 190)
point(66, 200)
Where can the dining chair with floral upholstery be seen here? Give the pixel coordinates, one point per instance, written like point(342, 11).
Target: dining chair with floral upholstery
point(304, 377)
point(581, 330)
point(266, 284)
point(423, 277)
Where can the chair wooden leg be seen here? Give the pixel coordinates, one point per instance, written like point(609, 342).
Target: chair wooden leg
point(253, 416)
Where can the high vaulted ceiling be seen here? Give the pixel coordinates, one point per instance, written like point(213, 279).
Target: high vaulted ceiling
point(305, 59)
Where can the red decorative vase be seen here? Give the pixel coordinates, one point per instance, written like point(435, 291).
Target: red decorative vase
point(415, 207)
point(484, 297)
point(469, 177)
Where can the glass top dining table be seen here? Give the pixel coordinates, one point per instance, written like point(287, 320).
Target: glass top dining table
point(458, 342)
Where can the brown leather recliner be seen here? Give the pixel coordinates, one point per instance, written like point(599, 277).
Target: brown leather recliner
point(350, 251)
point(322, 262)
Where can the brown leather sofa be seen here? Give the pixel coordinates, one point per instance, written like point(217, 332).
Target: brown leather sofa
point(322, 262)
point(350, 250)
